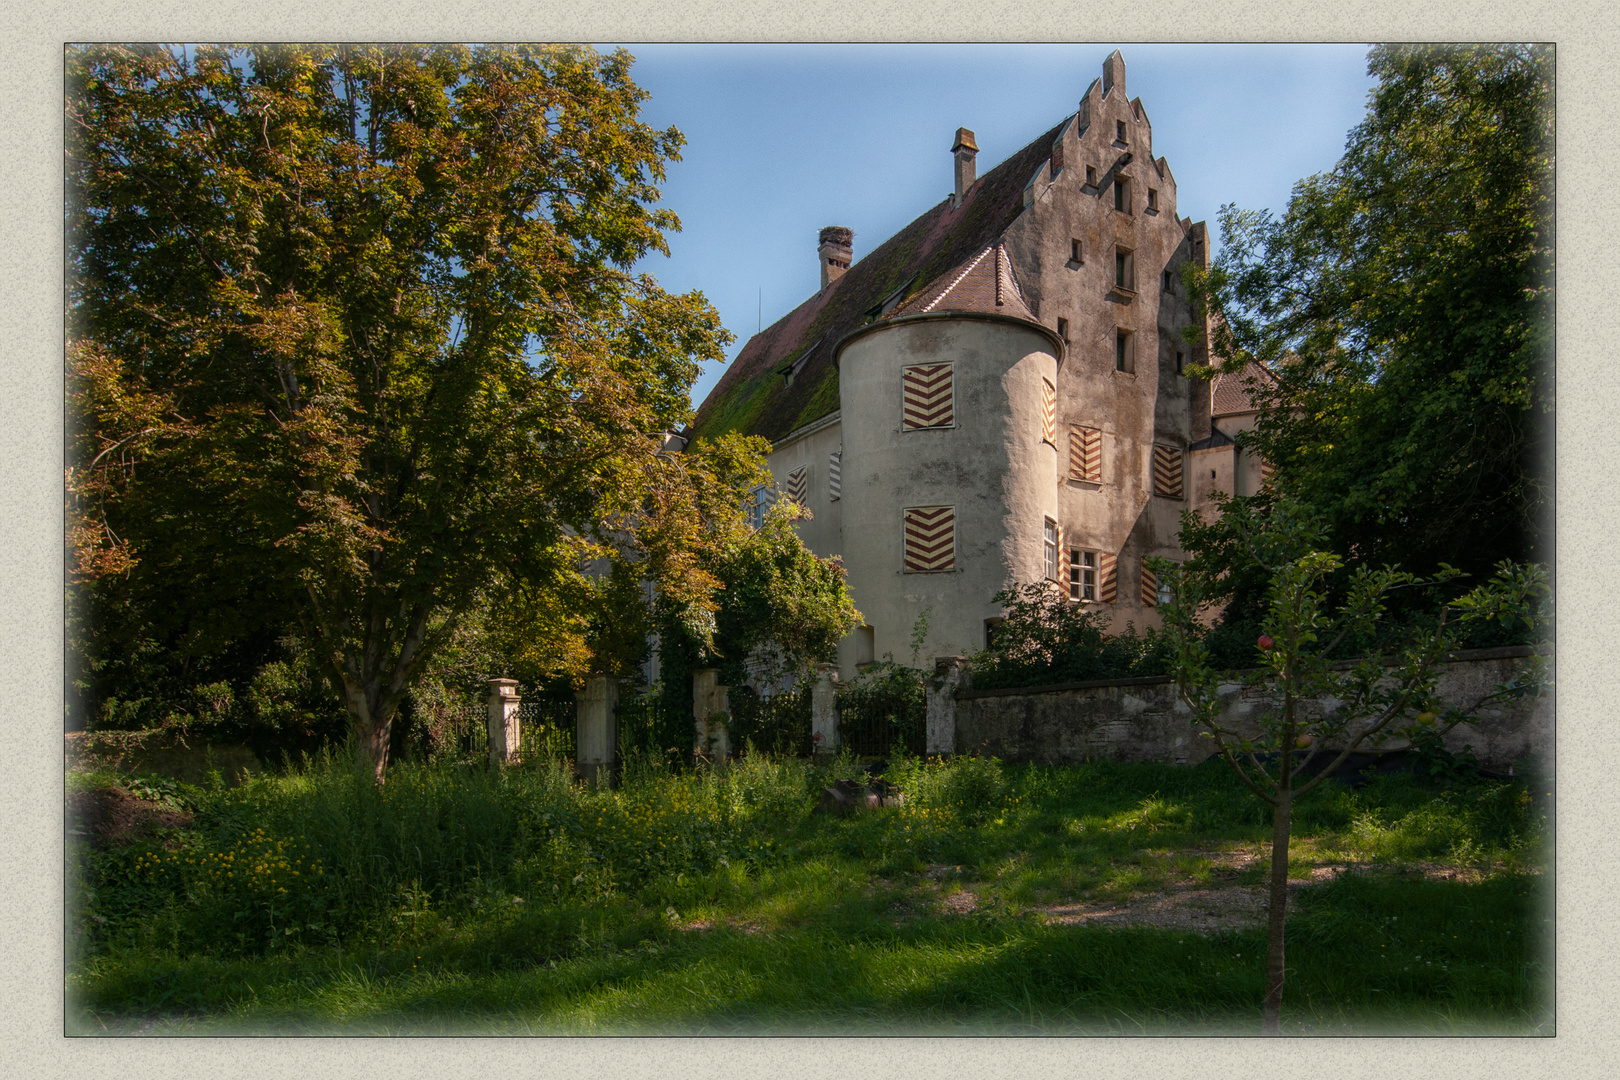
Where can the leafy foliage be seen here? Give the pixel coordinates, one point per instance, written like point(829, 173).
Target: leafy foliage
point(1045, 638)
point(355, 345)
point(1404, 303)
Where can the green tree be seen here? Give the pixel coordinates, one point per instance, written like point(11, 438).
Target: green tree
point(1404, 303)
point(355, 340)
point(1310, 704)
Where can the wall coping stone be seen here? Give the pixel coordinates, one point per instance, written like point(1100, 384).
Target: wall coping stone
point(1500, 652)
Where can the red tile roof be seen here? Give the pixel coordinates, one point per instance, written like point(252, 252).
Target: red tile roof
point(985, 284)
point(1229, 393)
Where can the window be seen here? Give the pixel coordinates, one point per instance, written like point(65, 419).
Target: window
point(928, 397)
point(991, 628)
point(1124, 351)
point(1122, 194)
point(1091, 176)
point(1124, 268)
point(1181, 362)
point(1048, 412)
point(1167, 462)
point(1154, 591)
point(1083, 576)
point(1051, 538)
point(930, 539)
point(1063, 330)
point(1153, 199)
point(1119, 131)
point(757, 503)
point(1085, 454)
point(1076, 252)
point(1167, 281)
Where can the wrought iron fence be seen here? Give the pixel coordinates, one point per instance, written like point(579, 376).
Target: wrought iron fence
point(547, 721)
point(655, 727)
point(779, 724)
point(875, 717)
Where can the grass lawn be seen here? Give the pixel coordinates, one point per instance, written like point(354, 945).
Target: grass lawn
point(1103, 899)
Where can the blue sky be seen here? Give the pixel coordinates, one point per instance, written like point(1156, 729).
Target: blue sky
point(784, 139)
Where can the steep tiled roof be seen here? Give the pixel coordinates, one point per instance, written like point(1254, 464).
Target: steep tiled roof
point(753, 397)
point(984, 284)
point(1229, 393)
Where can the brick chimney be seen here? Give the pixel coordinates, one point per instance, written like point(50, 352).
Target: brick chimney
point(834, 253)
point(1113, 73)
point(965, 150)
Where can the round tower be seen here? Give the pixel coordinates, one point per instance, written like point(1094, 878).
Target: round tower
point(950, 468)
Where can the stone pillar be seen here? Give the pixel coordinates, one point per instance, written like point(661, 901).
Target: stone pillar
point(720, 725)
point(504, 724)
point(596, 731)
point(949, 673)
point(824, 709)
point(704, 682)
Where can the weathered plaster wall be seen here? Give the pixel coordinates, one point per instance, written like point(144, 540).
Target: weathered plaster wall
point(823, 533)
point(1143, 720)
point(991, 465)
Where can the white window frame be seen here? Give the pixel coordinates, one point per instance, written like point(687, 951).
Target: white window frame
point(1050, 538)
point(1083, 575)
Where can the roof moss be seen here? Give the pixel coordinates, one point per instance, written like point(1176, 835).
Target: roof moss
point(752, 397)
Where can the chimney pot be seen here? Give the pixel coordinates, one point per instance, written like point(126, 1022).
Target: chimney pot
point(835, 253)
point(965, 150)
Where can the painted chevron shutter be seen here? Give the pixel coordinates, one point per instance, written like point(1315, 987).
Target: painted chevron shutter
point(928, 393)
point(1085, 454)
point(1107, 578)
point(798, 485)
point(1049, 411)
point(1063, 562)
point(1150, 586)
point(930, 539)
point(1167, 471)
point(835, 475)
point(1266, 471)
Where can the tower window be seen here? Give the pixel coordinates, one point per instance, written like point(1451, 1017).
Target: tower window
point(1119, 131)
point(1124, 351)
point(1153, 199)
point(1051, 536)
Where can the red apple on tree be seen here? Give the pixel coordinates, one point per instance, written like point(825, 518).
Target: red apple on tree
point(1265, 642)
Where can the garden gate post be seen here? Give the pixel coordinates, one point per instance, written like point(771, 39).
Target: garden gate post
point(824, 709)
point(710, 710)
point(949, 673)
point(504, 722)
point(595, 733)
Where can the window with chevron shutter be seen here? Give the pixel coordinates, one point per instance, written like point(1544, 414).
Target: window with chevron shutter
point(930, 539)
point(798, 485)
point(1107, 577)
point(928, 397)
point(1085, 454)
point(835, 475)
point(1167, 471)
point(1048, 412)
point(1150, 586)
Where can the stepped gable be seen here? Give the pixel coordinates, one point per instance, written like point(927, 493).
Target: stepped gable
point(1229, 393)
point(984, 284)
point(753, 397)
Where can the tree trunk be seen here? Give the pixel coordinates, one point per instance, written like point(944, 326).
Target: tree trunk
point(1271, 1020)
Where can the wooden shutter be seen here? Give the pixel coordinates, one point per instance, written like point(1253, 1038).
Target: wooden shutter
point(1085, 454)
point(1150, 586)
point(835, 475)
point(930, 539)
point(928, 397)
point(1167, 471)
point(798, 485)
point(1266, 471)
point(1063, 563)
point(1048, 411)
point(1107, 579)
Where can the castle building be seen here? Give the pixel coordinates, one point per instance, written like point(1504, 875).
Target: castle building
point(996, 394)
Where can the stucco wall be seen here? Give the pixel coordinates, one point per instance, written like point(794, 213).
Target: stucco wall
point(823, 533)
point(991, 465)
point(1143, 720)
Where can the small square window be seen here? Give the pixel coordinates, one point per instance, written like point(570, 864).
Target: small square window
point(1122, 194)
point(1124, 351)
point(1091, 176)
point(1153, 199)
point(1181, 362)
point(1063, 331)
point(1167, 281)
point(1119, 130)
point(1076, 251)
point(1082, 575)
